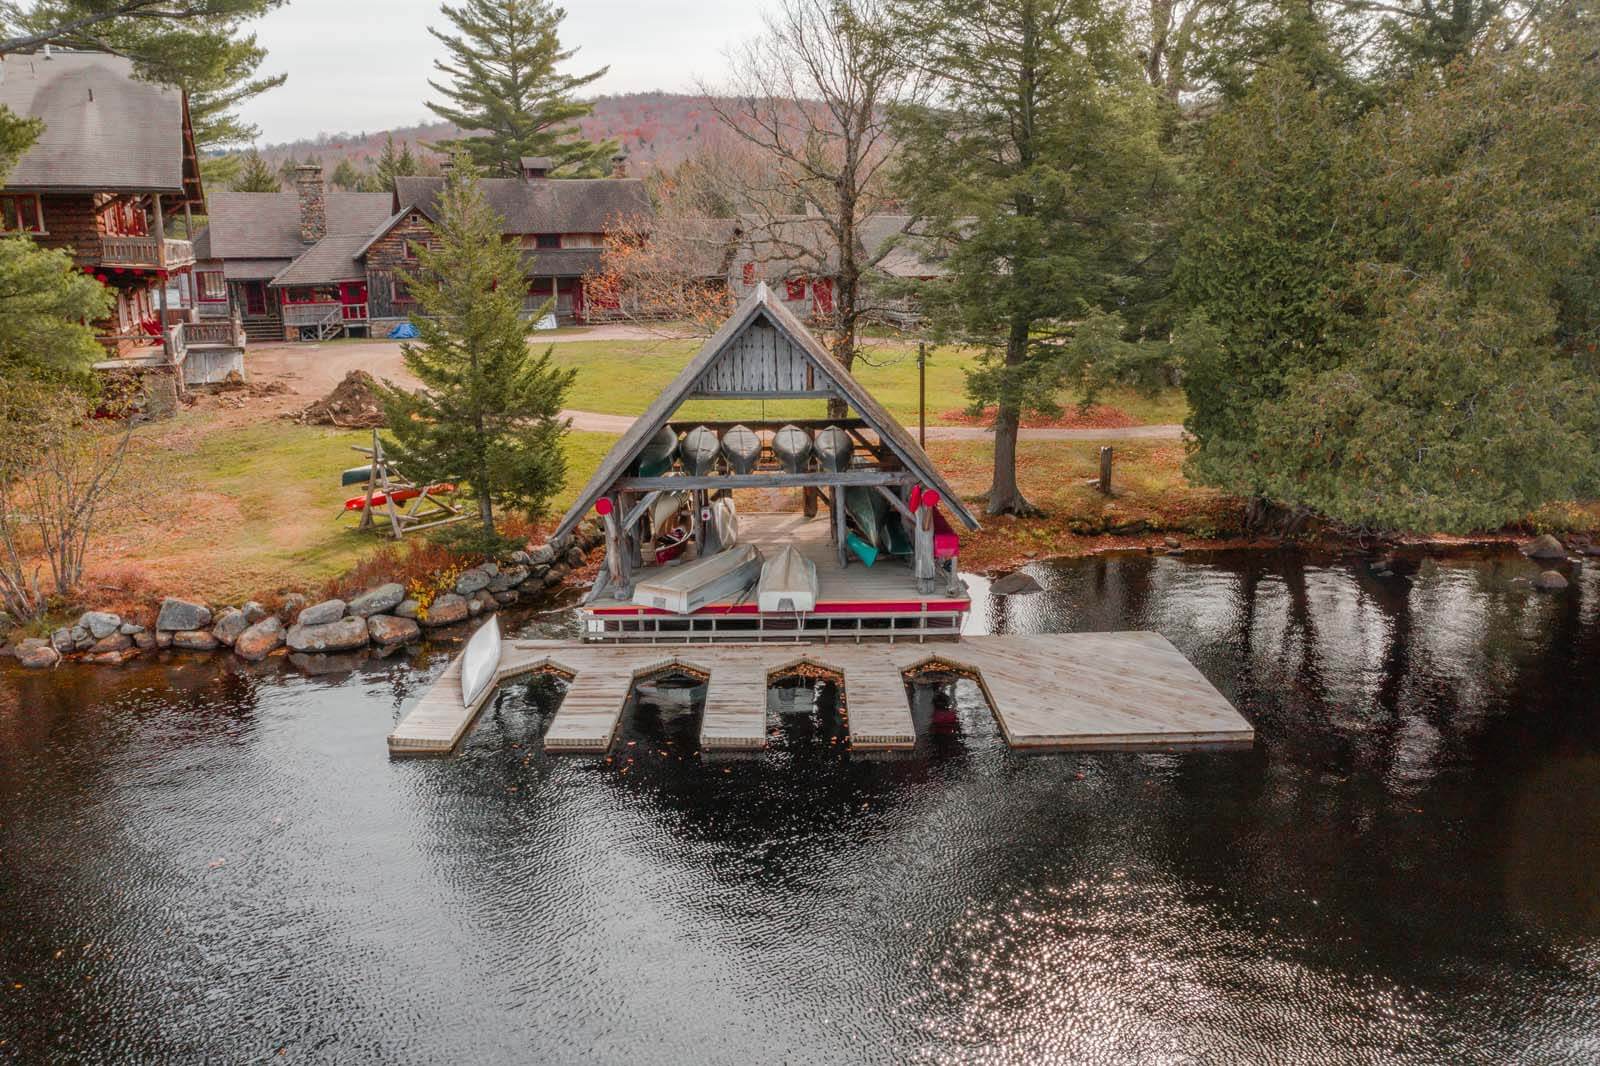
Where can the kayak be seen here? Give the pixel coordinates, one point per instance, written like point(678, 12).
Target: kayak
point(480, 661)
point(666, 508)
point(380, 499)
point(834, 448)
point(357, 474)
point(670, 545)
point(700, 450)
point(656, 459)
point(742, 448)
point(792, 446)
point(870, 512)
point(788, 582)
point(867, 552)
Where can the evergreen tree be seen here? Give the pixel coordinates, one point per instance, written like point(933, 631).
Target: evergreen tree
point(488, 410)
point(395, 164)
point(255, 176)
point(46, 304)
point(352, 178)
point(503, 80)
point(1033, 164)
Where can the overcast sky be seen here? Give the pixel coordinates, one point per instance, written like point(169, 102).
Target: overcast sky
point(357, 65)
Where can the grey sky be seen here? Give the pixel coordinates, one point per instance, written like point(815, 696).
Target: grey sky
point(358, 65)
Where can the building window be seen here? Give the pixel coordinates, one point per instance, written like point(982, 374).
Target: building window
point(547, 240)
point(400, 292)
point(794, 289)
point(822, 292)
point(21, 214)
point(125, 218)
point(213, 287)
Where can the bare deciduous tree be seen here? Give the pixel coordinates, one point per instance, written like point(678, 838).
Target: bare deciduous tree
point(56, 469)
point(813, 93)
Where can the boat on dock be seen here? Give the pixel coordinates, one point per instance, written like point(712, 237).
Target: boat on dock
point(792, 447)
point(834, 448)
point(879, 526)
point(699, 451)
point(684, 590)
point(480, 660)
point(788, 582)
point(657, 456)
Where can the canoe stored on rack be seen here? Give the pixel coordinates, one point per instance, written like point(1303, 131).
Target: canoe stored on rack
point(792, 446)
point(834, 448)
point(656, 459)
point(380, 499)
point(742, 448)
point(357, 474)
point(700, 449)
point(688, 588)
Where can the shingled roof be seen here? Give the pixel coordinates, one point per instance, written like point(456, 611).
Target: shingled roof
point(105, 130)
point(761, 305)
point(554, 205)
point(329, 260)
point(266, 225)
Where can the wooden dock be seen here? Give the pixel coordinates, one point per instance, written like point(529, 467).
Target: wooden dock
point(1072, 690)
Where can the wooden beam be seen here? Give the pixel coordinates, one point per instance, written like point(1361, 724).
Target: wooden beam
point(764, 481)
point(776, 394)
point(836, 505)
point(899, 504)
point(639, 509)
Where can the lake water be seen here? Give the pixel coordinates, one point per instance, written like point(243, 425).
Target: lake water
point(208, 862)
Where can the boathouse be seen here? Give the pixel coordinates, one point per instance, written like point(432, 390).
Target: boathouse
point(691, 506)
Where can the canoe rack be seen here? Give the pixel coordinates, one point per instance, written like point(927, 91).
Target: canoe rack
point(421, 507)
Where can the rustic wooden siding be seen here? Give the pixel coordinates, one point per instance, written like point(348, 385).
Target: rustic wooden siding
point(73, 224)
point(385, 257)
point(759, 362)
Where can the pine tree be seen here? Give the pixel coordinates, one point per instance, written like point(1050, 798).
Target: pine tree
point(489, 410)
point(393, 164)
point(1034, 165)
point(352, 178)
point(255, 176)
point(503, 81)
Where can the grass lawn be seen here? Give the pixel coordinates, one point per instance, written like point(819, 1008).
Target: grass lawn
point(622, 377)
point(1150, 494)
point(227, 512)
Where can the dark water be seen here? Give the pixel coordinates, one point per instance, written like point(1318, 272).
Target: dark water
point(223, 865)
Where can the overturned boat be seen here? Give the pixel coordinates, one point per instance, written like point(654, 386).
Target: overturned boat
point(686, 589)
point(742, 448)
point(834, 449)
point(792, 447)
point(788, 582)
point(657, 456)
point(699, 450)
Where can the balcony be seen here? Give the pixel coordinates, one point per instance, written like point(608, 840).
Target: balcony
point(144, 253)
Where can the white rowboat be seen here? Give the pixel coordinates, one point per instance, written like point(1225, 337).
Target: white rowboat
point(788, 582)
point(686, 589)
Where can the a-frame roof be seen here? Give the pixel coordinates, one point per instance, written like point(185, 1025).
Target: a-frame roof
point(762, 305)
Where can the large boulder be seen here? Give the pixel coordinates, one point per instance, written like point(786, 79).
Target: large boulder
point(480, 601)
point(1015, 584)
point(1544, 546)
point(1550, 581)
point(543, 555)
point(37, 654)
point(194, 640)
point(178, 616)
point(509, 578)
point(380, 600)
point(407, 609)
point(446, 610)
point(100, 624)
point(346, 634)
point(320, 614)
point(230, 623)
point(387, 630)
point(574, 557)
point(260, 640)
point(62, 641)
point(111, 643)
point(253, 612)
point(471, 581)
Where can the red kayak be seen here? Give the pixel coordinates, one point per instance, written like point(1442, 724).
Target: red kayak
point(380, 499)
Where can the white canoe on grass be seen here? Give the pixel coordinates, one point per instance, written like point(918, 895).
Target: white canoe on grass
point(686, 589)
point(480, 661)
point(788, 582)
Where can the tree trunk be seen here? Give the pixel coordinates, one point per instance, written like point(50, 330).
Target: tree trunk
point(1005, 497)
point(486, 514)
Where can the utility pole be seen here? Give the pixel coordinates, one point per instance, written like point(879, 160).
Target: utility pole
point(922, 394)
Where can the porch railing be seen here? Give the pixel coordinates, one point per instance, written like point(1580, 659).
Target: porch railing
point(145, 252)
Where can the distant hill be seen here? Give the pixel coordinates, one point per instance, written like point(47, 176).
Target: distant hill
point(655, 129)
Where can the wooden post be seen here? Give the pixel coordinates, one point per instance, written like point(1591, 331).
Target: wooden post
point(1105, 470)
point(923, 548)
point(161, 266)
point(837, 504)
point(922, 394)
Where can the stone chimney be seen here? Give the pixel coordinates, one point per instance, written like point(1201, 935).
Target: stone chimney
point(313, 202)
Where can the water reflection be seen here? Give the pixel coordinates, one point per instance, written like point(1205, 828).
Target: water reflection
point(204, 861)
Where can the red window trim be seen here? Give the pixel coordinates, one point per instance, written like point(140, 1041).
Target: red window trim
point(11, 218)
point(794, 288)
point(749, 273)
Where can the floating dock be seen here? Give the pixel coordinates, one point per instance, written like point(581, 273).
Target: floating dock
point(1070, 690)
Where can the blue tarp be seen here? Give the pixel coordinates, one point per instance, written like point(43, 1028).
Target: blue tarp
point(405, 331)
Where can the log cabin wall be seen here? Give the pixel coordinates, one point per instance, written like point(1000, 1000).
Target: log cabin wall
point(387, 255)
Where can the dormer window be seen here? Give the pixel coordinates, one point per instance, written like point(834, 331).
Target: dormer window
point(547, 240)
point(21, 213)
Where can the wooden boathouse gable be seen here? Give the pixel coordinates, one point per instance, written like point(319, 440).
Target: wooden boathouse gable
point(764, 352)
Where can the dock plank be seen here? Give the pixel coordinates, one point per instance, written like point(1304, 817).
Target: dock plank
point(736, 702)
